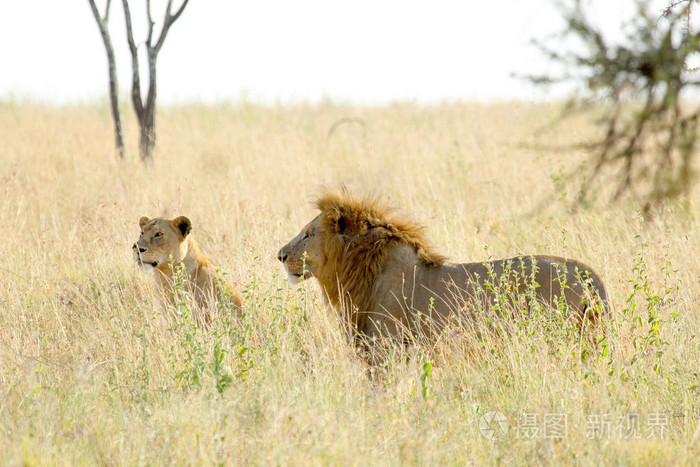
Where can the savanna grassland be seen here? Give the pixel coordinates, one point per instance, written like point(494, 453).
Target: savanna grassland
point(91, 371)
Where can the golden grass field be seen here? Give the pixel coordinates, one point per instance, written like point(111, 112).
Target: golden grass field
point(91, 373)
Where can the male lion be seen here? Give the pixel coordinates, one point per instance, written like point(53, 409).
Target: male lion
point(378, 270)
point(165, 245)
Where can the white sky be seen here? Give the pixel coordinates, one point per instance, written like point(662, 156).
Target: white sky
point(365, 51)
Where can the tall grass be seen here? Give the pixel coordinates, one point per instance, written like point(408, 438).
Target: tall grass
point(91, 371)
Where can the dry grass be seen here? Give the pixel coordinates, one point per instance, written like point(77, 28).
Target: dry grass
point(90, 373)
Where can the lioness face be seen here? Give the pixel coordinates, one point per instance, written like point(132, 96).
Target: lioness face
point(302, 256)
point(161, 241)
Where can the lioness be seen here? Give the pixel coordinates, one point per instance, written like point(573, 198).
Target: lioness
point(381, 274)
point(166, 245)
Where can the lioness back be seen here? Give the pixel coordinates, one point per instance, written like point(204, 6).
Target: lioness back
point(166, 247)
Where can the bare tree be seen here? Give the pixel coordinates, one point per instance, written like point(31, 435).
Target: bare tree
point(103, 24)
point(146, 111)
point(649, 137)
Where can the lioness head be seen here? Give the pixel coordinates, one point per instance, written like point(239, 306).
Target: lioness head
point(303, 255)
point(160, 240)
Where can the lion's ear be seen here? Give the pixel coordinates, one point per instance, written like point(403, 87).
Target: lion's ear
point(143, 221)
point(341, 220)
point(337, 220)
point(341, 224)
point(183, 224)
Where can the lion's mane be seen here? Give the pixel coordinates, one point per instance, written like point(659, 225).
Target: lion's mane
point(359, 234)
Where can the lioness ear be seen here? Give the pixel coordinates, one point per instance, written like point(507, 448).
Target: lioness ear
point(143, 221)
point(183, 224)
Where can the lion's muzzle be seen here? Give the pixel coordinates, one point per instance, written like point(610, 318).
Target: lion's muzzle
point(293, 278)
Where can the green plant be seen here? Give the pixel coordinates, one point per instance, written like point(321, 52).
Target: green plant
point(427, 367)
point(190, 370)
point(642, 312)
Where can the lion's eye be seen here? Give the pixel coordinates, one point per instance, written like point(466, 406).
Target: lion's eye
point(158, 235)
point(306, 235)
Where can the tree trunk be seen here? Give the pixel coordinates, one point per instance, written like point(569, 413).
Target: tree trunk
point(147, 134)
point(146, 114)
point(148, 119)
point(102, 23)
point(114, 100)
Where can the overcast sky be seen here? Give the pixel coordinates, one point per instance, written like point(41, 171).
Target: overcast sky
point(364, 51)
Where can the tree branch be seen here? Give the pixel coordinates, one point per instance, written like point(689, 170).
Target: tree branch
point(102, 23)
point(151, 25)
point(107, 8)
point(178, 12)
point(168, 21)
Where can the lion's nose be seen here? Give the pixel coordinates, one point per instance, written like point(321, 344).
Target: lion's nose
point(136, 247)
point(281, 256)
